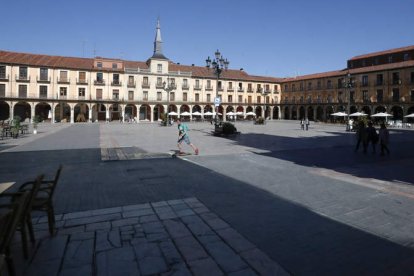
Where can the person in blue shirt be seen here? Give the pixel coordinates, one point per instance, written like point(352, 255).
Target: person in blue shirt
point(183, 137)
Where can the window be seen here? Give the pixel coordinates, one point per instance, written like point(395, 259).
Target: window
point(43, 74)
point(23, 73)
point(309, 85)
point(145, 95)
point(208, 98)
point(172, 96)
point(99, 77)
point(293, 88)
point(63, 91)
point(81, 92)
point(329, 84)
point(99, 64)
point(230, 85)
point(380, 79)
point(130, 95)
point(2, 72)
point(197, 84)
point(380, 96)
point(240, 86)
point(229, 98)
point(159, 81)
point(365, 97)
point(396, 78)
point(64, 76)
point(145, 80)
point(197, 97)
point(395, 95)
point(159, 68)
point(159, 96)
point(406, 56)
point(258, 99)
point(82, 77)
point(131, 80)
point(219, 85)
point(240, 99)
point(340, 83)
point(115, 79)
point(22, 91)
point(340, 97)
point(259, 87)
point(249, 87)
point(275, 89)
point(43, 91)
point(365, 80)
point(115, 94)
point(352, 96)
point(114, 66)
point(2, 90)
point(318, 84)
point(185, 83)
point(249, 99)
point(99, 94)
point(208, 84)
point(389, 59)
point(184, 97)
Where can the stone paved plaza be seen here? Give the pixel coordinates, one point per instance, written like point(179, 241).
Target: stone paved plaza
point(272, 200)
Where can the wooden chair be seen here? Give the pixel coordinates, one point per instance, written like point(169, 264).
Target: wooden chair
point(25, 222)
point(9, 221)
point(43, 201)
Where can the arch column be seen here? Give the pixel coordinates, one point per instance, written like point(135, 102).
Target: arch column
point(72, 113)
point(32, 111)
point(11, 111)
point(137, 106)
point(107, 113)
point(52, 110)
point(122, 112)
point(90, 113)
point(152, 113)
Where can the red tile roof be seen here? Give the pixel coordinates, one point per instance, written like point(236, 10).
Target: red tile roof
point(391, 51)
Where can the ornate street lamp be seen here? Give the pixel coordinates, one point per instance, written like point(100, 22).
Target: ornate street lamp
point(218, 64)
point(168, 87)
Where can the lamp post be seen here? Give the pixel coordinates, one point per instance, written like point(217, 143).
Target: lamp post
point(218, 63)
point(168, 87)
point(348, 83)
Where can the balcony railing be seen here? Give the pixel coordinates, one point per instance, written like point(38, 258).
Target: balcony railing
point(199, 87)
point(116, 83)
point(230, 89)
point(159, 85)
point(43, 96)
point(146, 85)
point(63, 80)
point(209, 88)
point(81, 81)
point(23, 78)
point(99, 82)
point(240, 89)
point(250, 90)
point(43, 80)
point(131, 84)
point(185, 87)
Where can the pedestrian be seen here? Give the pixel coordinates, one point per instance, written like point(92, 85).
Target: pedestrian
point(183, 137)
point(307, 123)
point(372, 136)
point(302, 124)
point(384, 138)
point(361, 136)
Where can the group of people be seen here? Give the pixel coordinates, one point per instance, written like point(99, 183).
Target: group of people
point(368, 135)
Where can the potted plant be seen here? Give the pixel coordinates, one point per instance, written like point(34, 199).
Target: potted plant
point(15, 126)
point(36, 121)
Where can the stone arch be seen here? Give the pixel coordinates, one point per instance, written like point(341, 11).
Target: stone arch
point(145, 112)
point(62, 113)
point(43, 111)
point(172, 107)
point(130, 112)
point(229, 108)
point(379, 109)
point(319, 113)
point(249, 109)
point(276, 114)
point(294, 113)
point(196, 108)
point(184, 108)
point(258, 111)
point(158, 110)
point(98, 112)
point(115, 112)
point(353, 109)
point(208, 108)
point(81, 113)
point(397, 112)
point(366, 109)
point(302, 112)
point(286, 113)
point(310, 113)
point(4, 110)
point(23, 110)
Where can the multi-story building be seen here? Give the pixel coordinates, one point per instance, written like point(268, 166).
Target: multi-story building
point(97, 89)
point(372, 83)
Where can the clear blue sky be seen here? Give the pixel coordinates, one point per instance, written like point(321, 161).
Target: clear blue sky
point(265, 37)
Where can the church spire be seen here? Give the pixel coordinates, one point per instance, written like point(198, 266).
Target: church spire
point(158, 43)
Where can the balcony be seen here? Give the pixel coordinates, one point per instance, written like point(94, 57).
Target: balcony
point(116, 83)
point(268, 91)
point(22, 78)
point(198, 87)
point(159, 85)
point(99, 82)
point(43, 80)
point(131, 84)
point(209, 88)
point(230, 89)
point(396, 82)
point(185, 87)
point(379, 82)
point(63, 80)
point(220, 89)
point(81, 98)
point(146, 85)
point(250, 90)
point(43, 96)
point(81, 81)
point(240, 89)
point(3, 77)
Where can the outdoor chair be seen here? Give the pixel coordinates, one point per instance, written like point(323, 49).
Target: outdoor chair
point(10, 217)
point(43, 201)
point(25, 221)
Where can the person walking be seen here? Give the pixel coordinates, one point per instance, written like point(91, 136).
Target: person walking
point(307, 123)
point(372, 136)
point(302, 124)
point(183, 137)
point(384, 138)
point(361, 136)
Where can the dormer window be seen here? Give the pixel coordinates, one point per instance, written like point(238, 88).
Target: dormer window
point(114, 66)
point(159, 68)
point(99, 64)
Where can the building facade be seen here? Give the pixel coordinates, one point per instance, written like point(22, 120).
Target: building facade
point(70, 89)
point(372, 83)
point(67, 89)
